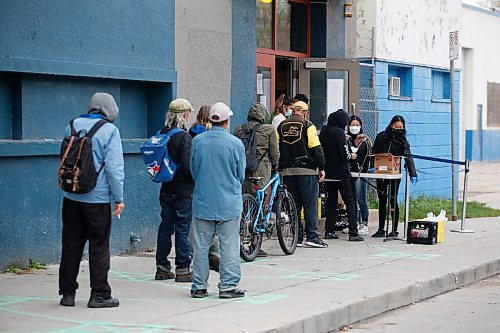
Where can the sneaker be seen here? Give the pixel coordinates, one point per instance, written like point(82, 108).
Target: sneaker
point(233, 293)
point(345, 231)
point(393, 234)
point(379, 233)
point(316, 242)
point(213, 262)
point(68, 300)
point(356, 238)
point(183, 277)
point(300, 243)
point(363, 229)
point(331, 235)
point(262, 254)
point(98, 301)
point(200, 293)
point(163, 275)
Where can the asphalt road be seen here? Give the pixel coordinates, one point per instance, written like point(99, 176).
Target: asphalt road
point(475, 308)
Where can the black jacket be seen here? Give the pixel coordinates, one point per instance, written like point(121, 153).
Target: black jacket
point(179, 149)
point(362, 161)
point(396, 145)
point(299, 145)
point(335, 146)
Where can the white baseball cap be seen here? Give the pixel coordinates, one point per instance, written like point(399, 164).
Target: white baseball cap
point(219, 112)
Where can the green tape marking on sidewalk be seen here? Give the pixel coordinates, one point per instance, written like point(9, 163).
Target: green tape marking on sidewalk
point(386, 253)
point(263, 298)
point(108, 326)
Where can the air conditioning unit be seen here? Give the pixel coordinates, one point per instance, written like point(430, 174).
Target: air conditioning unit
point(394, 86)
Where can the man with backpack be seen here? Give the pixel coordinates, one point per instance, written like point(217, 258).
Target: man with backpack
point(91, 173)
point(261, 148)
point(302, 163)
point(261, 145)
point(176, 197)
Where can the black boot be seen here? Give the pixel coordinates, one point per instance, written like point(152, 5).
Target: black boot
point(99, 301)
point(68, 300)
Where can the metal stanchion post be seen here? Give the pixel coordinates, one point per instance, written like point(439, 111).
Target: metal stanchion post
point(407, 203)
point(464, 208)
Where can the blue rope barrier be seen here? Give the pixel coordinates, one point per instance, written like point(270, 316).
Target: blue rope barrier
point(436, 159)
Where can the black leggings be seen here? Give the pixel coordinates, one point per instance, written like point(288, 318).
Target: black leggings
point(382, 187)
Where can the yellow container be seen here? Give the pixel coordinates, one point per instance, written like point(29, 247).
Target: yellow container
point(440, 232)
point(319, 211)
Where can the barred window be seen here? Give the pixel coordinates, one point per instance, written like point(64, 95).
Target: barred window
point(493, 104)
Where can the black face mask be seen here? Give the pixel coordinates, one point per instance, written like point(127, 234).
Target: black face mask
point(398, 132)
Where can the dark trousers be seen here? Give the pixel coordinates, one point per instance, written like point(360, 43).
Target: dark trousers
point(305, 191)
point(81, 222)
point(345, 189)
point(175, 217)
point(382, 188)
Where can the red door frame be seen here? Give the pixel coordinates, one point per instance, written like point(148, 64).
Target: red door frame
point(268, 61)
point(267, 57)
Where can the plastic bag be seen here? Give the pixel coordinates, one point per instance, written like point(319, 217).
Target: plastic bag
point(433, 218)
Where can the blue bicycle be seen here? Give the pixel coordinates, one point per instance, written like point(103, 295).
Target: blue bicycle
point(256, 218)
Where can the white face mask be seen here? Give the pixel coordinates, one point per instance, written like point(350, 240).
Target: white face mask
point(354, 129)
point(288, 113)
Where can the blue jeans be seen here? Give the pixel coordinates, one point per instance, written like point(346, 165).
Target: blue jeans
point(229, 240)
point(175, 217)
point(359, 187)
point(305, 192)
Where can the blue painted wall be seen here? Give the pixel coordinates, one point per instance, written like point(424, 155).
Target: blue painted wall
point(428, 126)
point(243, 66)
point(53, 57)
point(482, 147)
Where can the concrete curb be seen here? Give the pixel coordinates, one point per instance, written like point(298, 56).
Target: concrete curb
point(373, 306)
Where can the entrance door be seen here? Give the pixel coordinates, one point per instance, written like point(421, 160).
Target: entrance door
point(332, 84)
point(265, 80)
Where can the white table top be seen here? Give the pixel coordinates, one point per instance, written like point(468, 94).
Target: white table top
point(376, 175)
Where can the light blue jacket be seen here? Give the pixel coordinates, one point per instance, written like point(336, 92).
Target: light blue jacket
point(107, 149)
point(218, 166)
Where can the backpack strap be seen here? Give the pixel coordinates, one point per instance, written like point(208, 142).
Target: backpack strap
point(173, 131)
point(73, 131)
point(96, 126)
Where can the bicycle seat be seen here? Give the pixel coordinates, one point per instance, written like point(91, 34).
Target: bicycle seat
point(255, 180)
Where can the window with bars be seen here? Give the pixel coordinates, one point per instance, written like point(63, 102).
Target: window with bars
point(493, 118)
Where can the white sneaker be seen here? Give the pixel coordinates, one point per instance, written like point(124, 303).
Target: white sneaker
point(362, 229)
point(345, 231)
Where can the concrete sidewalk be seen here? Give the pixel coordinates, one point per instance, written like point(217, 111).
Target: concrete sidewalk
point(314, 290)
point(483, 184)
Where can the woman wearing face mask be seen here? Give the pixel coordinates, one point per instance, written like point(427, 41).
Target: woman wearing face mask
point(392, 140)
point(361, 145)
point(284, 107)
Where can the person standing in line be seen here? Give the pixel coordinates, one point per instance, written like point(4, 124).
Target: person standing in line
point(87, 217)
point(283, 110)
point(202, 124)
point(361, 145)
point(267, 152)
point(302, 164)
point(218, 164)
point(337, 157)
point(176, 198)
point(392, 140)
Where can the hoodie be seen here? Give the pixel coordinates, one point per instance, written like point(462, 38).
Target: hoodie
point(335, 146)
point(267, 143)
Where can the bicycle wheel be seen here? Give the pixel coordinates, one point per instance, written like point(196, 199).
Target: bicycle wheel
point(287, 223)
point(250, 240)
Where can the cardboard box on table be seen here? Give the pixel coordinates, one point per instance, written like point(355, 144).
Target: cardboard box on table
point(386, 163)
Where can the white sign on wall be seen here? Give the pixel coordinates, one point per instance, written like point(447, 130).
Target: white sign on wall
point(454, 46)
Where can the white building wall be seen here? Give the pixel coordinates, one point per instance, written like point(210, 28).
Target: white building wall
point(479, 36)
point(407, 30)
